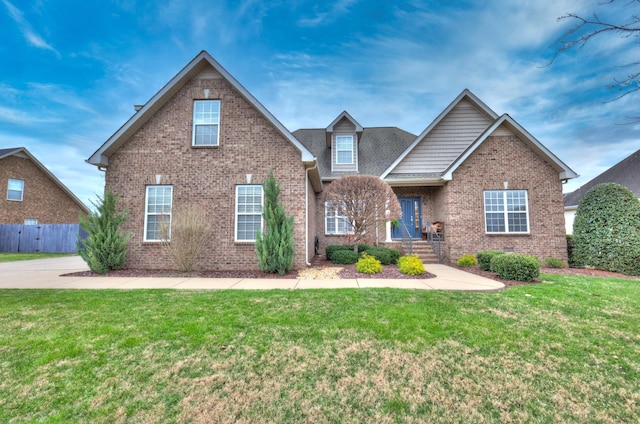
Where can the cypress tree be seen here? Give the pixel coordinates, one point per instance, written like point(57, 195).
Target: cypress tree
point(274, 247)
point(105, 246)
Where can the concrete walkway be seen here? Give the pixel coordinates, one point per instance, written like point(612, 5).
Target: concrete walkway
point(45, 274)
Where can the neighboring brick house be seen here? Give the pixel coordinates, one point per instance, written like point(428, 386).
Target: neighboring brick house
point(626, 173)
point(204, 139)
point(31, 194)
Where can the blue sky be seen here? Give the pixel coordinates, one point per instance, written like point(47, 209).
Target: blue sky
point(72, 70)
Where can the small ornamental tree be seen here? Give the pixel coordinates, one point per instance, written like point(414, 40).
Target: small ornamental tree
point(105, 247)
point(606, 230)
point(274, 247)
point(365, 201)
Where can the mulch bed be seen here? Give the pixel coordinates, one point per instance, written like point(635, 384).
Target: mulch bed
point(348, 271)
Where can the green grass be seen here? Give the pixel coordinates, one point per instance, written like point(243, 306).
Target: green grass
point(567, 350)
point(10, 257)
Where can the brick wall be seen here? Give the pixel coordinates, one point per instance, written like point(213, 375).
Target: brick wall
point(498, 160)
point(42, 199)
point(249, 144)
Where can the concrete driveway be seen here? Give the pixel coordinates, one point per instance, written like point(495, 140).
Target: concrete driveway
point(46, 274)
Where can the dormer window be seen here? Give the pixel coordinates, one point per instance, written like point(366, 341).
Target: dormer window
point(206, 123)
point(344, 149)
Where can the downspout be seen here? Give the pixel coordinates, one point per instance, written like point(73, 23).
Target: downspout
point(306, 211)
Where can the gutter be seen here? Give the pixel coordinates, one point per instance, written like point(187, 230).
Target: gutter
point(306, 211)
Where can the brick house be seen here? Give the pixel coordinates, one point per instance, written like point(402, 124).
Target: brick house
point(31, 194)
point(204, 139)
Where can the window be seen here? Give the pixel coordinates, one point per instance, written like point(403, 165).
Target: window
point(334, 223)
point(30, 221)
point(344, 149)
point(15, 190)
point(506, 211)
point(206, 122)
point(248, 212)
point(157, 217)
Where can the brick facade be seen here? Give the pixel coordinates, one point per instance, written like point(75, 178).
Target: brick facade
point(43, 199)
point(500, 160)
point(249, 144)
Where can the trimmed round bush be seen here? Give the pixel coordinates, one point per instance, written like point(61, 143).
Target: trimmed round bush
point(516, 267)
point(570, 245)
point(330, 249)
point(484, 258)
point(606, 230)
point(467, 261)
point(553, 263)
point(411, 265)
point(368, 265)
point(385, 255)
point(344, 257)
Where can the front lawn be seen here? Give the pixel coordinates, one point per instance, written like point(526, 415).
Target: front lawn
point(566, 350)
point(10, 257)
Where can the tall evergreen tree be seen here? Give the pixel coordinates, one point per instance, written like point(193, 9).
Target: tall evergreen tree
point(275, 247)
point(105, 247)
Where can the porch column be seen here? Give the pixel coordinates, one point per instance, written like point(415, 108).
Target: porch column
point(388, 230)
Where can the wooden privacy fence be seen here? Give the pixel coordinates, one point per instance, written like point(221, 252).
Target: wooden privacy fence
point(49, 238)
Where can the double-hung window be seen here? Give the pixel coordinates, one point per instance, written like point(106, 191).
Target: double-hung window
point(157, 216)
point(506, 211)
point(206, 123)
point(249, 200)
point(333, 222)
point(344, 149)
point(15, 189)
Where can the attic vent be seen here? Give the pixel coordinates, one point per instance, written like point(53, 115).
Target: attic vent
point(138, 107)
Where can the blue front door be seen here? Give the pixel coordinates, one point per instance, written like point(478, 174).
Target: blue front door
point(411, 217)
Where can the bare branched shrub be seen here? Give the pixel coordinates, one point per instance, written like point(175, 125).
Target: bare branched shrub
point(190, 230)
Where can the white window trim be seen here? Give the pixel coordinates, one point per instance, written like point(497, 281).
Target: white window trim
point(235, 237)
point(21, 190)
point(146, 213)
point(352, 149)
point(30, 221)
point(196, 124)
point(336, 218)
point(506, 212)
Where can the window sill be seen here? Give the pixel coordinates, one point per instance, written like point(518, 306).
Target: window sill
point(244, 243)
point(508, 234)
point(205, 147)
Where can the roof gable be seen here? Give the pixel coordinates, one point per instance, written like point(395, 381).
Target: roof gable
point(506, 121)
point(343, 116)
point(203, 60)
point(465, 100)
point(24, 153)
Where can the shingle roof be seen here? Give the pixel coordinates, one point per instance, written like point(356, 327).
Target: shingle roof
point(625, 172)
point(377, 149)
point(7, 152)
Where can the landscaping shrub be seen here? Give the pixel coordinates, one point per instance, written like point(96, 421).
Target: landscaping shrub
point(368, 264)
point(606, 230)
point(570, 246)
point(553, 263)
point(411, 265)
point(274, 247)
point(385, 255)
point(516, 267)
point(330, 249)
point(105, 247)
point(344, 257)
point(190, 230)
point(484, 258)
point(467, 261)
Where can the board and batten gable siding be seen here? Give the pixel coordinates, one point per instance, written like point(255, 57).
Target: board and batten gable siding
point(344, 127)
point(446, 142)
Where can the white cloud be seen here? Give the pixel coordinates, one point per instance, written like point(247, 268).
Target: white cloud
point(30, 35)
